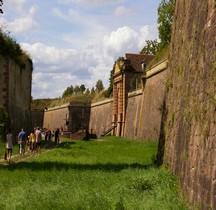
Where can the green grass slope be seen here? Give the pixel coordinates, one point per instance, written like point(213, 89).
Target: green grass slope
point(110, 173)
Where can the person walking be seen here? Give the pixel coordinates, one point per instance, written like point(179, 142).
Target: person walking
point(9, 145)
point(21, 141)
point(57, 136)
point(38, 136)
point(32, 141)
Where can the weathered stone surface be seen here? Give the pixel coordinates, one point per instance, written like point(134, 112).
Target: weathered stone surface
point(101, 117)
point(15, 92)
point(190, 124)
point(67, 117)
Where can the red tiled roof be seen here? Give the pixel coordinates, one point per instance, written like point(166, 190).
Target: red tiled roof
point(137, 59)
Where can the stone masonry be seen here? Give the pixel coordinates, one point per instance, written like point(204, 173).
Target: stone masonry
point(190, 126)
point(15, 92)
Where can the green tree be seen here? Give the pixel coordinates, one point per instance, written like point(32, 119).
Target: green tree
point(93, 91)
point(69, 91)
point(109, 90)
point(99, 86)
point(87, 91)
point(166, 11)
point(1, 3)
point(151, 48)
point(82, 88)
point(77, 89)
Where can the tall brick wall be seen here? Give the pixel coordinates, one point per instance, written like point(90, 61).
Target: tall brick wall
point(190, 128)
point(55, 117)
point(37, 118)
point(144, 107)
point(100, 117)
point(152, 102)
point(132, 116)
point(77, 116)
point(15, 92)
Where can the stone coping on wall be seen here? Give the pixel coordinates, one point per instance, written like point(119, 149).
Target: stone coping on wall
point(68, 105)
point(58, 107)
point(135, 93)
point(106, 101)
point(157, 68)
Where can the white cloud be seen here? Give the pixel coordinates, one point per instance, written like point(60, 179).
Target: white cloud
point(122, 40)
point(126, 39)
point(48, 54)
point(76, 41)
point(22, 25)
point(25, 21)
point(57, 68)
point(15, 5)
point(122, 11)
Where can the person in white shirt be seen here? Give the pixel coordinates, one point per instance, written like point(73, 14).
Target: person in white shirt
point(9, 144)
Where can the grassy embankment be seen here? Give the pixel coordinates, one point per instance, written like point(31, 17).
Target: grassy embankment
point(111, 173)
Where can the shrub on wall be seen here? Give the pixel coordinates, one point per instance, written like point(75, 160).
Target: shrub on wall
point(9, 47)
point(4, 123)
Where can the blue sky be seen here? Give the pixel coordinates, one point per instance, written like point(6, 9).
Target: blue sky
point(74, 42)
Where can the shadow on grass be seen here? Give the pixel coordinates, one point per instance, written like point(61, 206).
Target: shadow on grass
point(51, 145)
point(66, 145)
point(48, 165)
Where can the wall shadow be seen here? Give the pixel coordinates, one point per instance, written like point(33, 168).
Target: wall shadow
point(49, 165)
point(162, 135)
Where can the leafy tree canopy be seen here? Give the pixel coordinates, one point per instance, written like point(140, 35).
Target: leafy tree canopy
point(99, 86)
point(82, 88)
point(151, 48)
point(69, 91)
point(166, 11)
point(1, 3)
point(93, 91)
point(165, 19)
point(109, 91)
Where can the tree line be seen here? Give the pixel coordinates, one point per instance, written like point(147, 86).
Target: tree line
point(81, 89)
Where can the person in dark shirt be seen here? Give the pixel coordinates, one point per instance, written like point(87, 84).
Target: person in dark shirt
point(57, 136)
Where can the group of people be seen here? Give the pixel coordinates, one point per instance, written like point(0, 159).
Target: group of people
point(33, 142)
point(50, 134)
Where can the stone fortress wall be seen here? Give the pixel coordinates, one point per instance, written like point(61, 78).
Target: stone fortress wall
point(190, 125)
point(15, 92)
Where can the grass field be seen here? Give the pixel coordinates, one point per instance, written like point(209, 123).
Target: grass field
point(111, 173)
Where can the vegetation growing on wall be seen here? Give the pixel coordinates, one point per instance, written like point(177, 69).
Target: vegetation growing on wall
point(43, 104)
point(9, 47)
